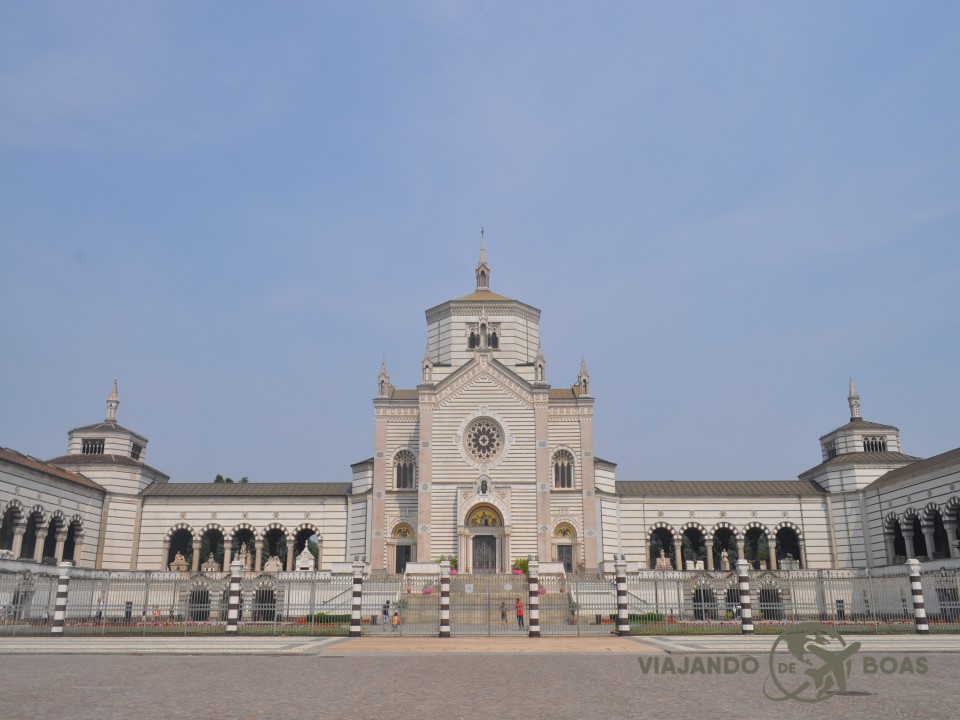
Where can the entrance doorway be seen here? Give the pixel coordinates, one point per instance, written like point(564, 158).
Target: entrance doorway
point(403, 557)
point(565, 555)
point(484, 554)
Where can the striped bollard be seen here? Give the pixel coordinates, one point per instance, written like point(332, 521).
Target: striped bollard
point(233, 602)
point(623, 618)
point(533, 570)
point(444, 598)
point(916, 589)
point(60, 609)
point(746, 614)
point(356, 628)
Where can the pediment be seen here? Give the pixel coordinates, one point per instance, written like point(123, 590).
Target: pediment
point(484, 367)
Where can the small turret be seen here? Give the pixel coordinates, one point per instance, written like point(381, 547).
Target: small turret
point(583, 379)
point(427, 365)
point(113, 401)
point(384, 388)
point(853, 399)
point(483, 269)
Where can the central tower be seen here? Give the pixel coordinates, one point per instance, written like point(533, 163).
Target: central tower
point(483, 460)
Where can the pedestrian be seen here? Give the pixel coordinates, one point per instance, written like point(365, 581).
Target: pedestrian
point(385, 613)
point(395, 621)
point(519, 613)
point(503, 613)
point(100, 606)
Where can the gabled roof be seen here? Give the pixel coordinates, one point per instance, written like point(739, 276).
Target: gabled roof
point(943, 460)
point(247, 489)
point(35, 464)
point(718, 488)
point(862, 458)
point(861, 424)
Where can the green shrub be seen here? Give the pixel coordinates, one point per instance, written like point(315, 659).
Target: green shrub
point(649, 617)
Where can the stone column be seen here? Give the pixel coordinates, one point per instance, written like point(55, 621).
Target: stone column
point(195, 561)
point(908, 542)
point(233, 605)
point(709, 544)
point(227, 547)
point(623, 617)
point(77, 549)
point(678, 552)
point(772, 545)
point(950, 525)
point(916, 589)
point(803, 554)
point(258, 566)
point(61, 539)
point(743, 581)
point(18, 532)
point(38, 545)
point(736, 544)
point(506, 549)
point(166, 553)
point(929, 539)
point(444, 598)
point(533, 599)
point(888, 540)
point(60, 609)
point(319, 553)
point(356, 627)
point(290, 547)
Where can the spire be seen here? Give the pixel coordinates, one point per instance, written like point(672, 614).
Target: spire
point(853, 399)
point(540, 366)
point(384, 388)
point(427, 365)
point(483, 269)
point(113, 400)
point(583, 378)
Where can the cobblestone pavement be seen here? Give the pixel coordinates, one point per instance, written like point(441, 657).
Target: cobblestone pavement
point(357, 679)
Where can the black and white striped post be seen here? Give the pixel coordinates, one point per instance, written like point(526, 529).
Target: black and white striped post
point(916, 589)
point(60, 609)
point(743, 580)
point(623, 617)
point(444, 598)
point(356, 628)
point(233, 603)
point(533, 600)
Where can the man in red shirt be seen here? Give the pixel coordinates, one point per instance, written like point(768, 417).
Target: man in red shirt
point(519, 614)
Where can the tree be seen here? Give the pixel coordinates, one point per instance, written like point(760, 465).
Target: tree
point(222, 479)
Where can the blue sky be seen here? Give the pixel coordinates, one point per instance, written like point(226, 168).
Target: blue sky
point(237, 209)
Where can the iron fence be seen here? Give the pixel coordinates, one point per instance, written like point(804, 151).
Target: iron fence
point(320, 603)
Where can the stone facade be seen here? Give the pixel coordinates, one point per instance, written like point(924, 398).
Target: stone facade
point(486, 462)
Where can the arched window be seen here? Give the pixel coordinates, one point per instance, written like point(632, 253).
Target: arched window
point(563, 470)
point(494, 340)
point(874, 444)
point(472, 342)
point(405, 465)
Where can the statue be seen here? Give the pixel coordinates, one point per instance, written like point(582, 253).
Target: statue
point(724, 560)
point(179, 563)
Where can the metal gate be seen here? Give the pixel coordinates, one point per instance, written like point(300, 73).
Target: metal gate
point(578, 605)
point(485, 605)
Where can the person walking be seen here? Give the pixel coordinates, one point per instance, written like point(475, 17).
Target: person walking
point(503, 613)
point(385, 614)
point(519, 613)
point(395, 621)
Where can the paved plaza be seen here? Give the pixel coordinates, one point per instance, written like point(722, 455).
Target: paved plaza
point(475, 678)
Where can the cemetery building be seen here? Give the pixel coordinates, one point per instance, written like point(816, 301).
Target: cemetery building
point(487, 462)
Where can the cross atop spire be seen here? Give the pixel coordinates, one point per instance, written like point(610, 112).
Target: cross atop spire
point(113, 400)
point(853, 399)
point(483, 269)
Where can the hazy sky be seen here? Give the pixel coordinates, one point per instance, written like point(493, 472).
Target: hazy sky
point(238, 208)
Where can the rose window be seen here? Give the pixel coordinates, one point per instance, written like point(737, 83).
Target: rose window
point(483, 439)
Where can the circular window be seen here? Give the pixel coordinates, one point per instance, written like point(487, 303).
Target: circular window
point(483, 439)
